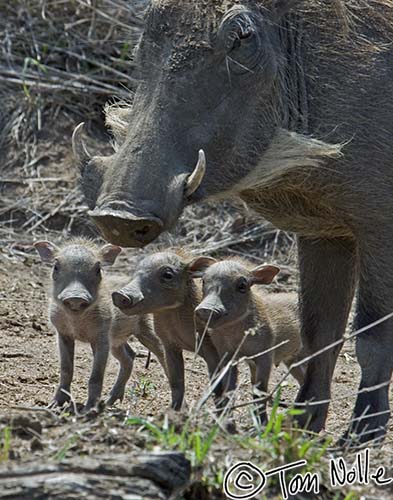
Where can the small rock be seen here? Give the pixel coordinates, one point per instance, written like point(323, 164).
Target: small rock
point(25, 426)
point(36, 444)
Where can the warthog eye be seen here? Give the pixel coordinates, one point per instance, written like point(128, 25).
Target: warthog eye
point(97, 269)
point(239, 33)
point(167, 274)
point(56, 269)
point(242, 286)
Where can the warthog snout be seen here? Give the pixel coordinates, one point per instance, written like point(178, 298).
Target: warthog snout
point(125, 300)
point(125, 229)
point(210, 312)
point(133, 198)
point(75, 303)
point(121, 300)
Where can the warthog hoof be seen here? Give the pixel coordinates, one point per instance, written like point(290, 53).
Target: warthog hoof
point(370, 419)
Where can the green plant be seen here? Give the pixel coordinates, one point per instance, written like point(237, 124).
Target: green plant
point(195, 443)
point(5, 445)
point(143, 388)
point(61, 454)
point(290, 444)
point(29, 61)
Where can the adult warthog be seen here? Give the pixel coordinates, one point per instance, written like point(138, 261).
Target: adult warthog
point(289, 106)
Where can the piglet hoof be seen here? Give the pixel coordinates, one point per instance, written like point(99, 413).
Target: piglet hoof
point(111, 401)
point(91, 410)
point(312, 419)
point(56, 404)
point(354, 439)
point(175, 406)
point(113, 398)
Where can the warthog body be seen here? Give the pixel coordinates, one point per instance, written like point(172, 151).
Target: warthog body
point(292, 103)
point(163, 286)
point(80, 308)
point(243, 322)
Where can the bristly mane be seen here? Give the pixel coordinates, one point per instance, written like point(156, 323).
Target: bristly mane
point(89, 243)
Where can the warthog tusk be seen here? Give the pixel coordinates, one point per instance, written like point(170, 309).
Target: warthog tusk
point(78, 146)
point(195, 179)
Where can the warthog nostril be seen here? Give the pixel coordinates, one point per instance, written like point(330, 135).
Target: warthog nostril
point(121, 300)
point(143, 231)
point(207, 314)
point(76, 303)
point(125, 229)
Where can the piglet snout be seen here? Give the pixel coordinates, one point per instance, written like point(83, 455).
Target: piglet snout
point(121, 300)
point(76, 303)
point(207, 315)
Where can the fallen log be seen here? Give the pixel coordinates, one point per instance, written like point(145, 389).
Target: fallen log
point(147, 476)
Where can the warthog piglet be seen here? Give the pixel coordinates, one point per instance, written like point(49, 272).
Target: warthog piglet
point(244, 322)
point(163, 286)
point(80, 308)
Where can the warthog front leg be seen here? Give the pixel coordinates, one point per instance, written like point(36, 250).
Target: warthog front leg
point(66, 351)
point(374, 346)
point(125, 356)
point(261, 375)
point(328, 274)
point(175, 366)
point(100, 350)
point(299, 372)
point(209, 353)
point(153, 344)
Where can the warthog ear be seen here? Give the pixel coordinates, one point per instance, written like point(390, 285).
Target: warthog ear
point(199, 265)
point(282, 7)
point(47, 251)
point(264, 275)
point(109, 254)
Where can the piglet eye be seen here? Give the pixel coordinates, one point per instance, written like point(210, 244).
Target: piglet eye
point(98, 270)
point(56, 269)
point(167, 274)
point(242, 286)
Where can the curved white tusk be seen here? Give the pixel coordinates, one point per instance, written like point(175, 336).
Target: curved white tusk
point(196, 178)
point(78, 146)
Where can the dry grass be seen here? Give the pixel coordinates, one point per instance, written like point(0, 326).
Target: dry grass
point(60, 61)
point(80, 48)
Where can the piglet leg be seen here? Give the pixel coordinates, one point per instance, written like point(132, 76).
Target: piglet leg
point(100, 352)
point(125, 355)
point(66, 351)
point(175, 367)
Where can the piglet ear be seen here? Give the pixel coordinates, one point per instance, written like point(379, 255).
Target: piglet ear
point(264, 275)
point(108, 254)
point(199, 265)
point(282, 7)
point(47, 251)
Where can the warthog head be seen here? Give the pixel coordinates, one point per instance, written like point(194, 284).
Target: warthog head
point(76, 272)
point(161, 281)
point(227, 296)
point(204, 113)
